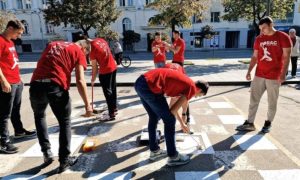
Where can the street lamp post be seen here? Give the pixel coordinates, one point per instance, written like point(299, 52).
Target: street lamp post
point(41, 26)
point(268, 7)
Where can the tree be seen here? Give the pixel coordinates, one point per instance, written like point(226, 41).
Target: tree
point(4, 18)
point(254, 10)
point(130, 37)
point(207, 32)
point(82, 14)
point(107, 34)
point(177, 12)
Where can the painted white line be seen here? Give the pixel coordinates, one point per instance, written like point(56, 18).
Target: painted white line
point(24, 177)
point(109, 176)
point(135, 106)
point(232, 119)
point(192, 120)
point(35, 150)
point(218, 105)
point(208, 147)
point(290, 174)
point(254, 142)
point(214, 129)
point(195, 175)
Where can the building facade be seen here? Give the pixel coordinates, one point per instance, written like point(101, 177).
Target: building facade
point(135, 16)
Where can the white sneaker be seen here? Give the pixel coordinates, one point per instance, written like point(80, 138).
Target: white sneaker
point(179, 160)
point(159, 154)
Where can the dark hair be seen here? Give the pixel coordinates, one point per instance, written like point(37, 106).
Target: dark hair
point(157, 33)
point(265, 20)
point(176, 32)
point(203, 85)
point(16, 24)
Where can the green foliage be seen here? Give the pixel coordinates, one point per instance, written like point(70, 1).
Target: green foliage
point(82, 14)
point(254, 10)
point(130, 37)
point(107, 34)
point(207, 32)
point(164, 36)
point(4, 18)
point(177, 12)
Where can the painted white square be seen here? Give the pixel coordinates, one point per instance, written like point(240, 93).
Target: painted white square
point(35, 150)
point(231, 119)
point(24, 177)
point(214, 129)
point(290, 174)
point(195, 175)
point(109, 176)
point(254, 142)
point(218, 105)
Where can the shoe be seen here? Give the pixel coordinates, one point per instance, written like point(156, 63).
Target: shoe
point(67, 164)
point(8, 148)
point(158, 154)
point(293, 77)
point(179, 160)
point(246, 127)
point(25, 133)
point(48, 157)
point(267, 127)
point(106, 117)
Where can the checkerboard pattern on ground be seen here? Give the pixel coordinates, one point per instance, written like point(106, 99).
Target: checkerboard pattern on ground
point(226, 154)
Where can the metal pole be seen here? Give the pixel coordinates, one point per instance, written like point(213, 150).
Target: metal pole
point(268, 7)
point(41, 27)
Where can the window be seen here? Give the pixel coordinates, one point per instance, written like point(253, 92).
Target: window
point(19, 4)
point(3, 4)
point(28, 4)
point(122, 2)
point(26, 27)
point(49, 29)
point(215, 17)
point(196, 19)
point(126, 24)
point(130, 2)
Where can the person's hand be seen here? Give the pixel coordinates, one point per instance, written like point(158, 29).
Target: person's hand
point(5, 87)
point(185, 128)
point(88, 111)
point(248, 76)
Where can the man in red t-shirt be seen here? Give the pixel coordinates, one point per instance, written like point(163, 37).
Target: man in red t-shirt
point(159, 51)
point(178, 48)
point(11, 87)
point(272, 50)
point(104, 62)
point(50, 83)
point(151, 88)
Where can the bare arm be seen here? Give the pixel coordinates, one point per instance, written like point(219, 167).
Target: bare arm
point(253, 62)
point(286, 60)
point(82, 89)
point(4, 84)
point(94, 70)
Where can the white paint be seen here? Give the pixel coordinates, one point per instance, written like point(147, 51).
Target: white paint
point(192, 120)
point(35, 150)
point(8, 162)
point(24, 177)
point(254, 142)
point(232, 119)
point(189, 145)
point(219, 105)
point(208, 147)
point(135, 106)
point(196, 175)
point(109, 176)
point(290, 174)
point(215, 129)
point(233, 159)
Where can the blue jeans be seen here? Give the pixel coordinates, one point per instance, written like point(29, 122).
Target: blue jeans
point(157, 108)
point(42, 94)
point(10, 104)
point(159, 65)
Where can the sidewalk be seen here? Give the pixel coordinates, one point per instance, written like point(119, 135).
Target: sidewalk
point(216, 72)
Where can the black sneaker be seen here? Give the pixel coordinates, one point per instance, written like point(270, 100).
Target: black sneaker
point(8, 148)
point(48, 157)
point(25, 133)
point(67, 164)
point(267, 127)
point(246, 127)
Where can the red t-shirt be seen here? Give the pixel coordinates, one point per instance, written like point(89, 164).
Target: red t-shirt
point(9, 61)
point(170, 82)
point(160, 54)
point(175, 67)
point(102, 54)
point(58, 61)
point(269, 60)
point(179, 57)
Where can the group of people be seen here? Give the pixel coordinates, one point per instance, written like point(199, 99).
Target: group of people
point(51, 80)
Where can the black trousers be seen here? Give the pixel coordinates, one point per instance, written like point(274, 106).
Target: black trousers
point(294, 65)
point(109, 87)
point(42, 94)
point(10, 104)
